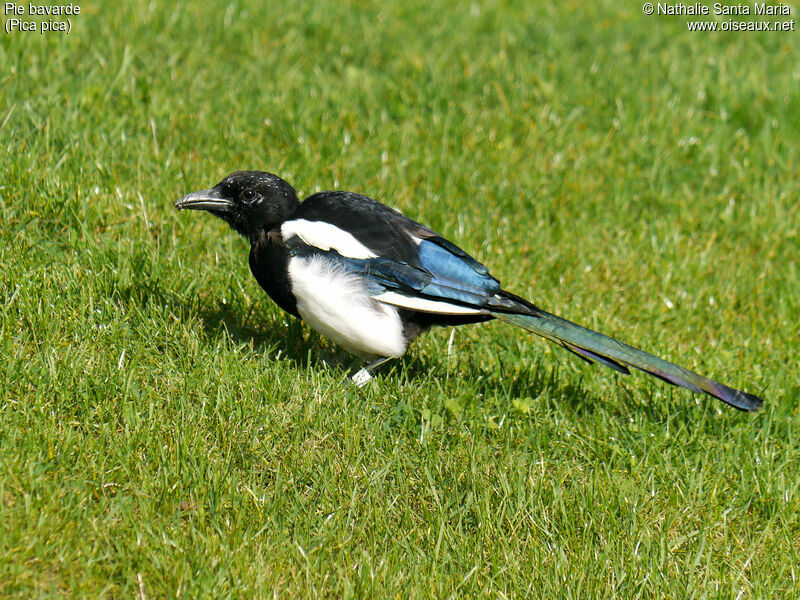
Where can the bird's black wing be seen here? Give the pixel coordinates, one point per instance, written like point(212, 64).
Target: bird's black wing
point(409, 264)
point(385, 231)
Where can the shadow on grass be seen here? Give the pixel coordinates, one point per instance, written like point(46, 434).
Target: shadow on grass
point(285, 338)
point(306, 349)
point(261, 334)
point(546, 383)
point(298, 343)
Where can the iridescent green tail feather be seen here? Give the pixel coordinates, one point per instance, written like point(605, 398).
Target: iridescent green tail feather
point(596, 347)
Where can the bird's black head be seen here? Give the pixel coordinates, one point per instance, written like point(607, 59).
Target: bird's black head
point(249, 201)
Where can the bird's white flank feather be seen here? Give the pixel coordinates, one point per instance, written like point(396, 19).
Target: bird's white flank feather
point(335, 303)
point(326, 236)
point(427, 305)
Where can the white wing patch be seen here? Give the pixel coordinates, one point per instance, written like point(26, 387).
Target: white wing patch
point(335, 303)
point(326, 237)
point(426, 305)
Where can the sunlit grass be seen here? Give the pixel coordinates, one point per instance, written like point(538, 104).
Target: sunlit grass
point(166, 431)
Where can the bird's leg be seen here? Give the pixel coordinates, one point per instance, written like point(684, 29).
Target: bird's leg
point(363, 376)
point(450, 342)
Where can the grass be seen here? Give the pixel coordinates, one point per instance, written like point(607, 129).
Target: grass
point(166, 431)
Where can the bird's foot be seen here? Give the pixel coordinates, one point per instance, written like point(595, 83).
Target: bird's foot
point(361, 378)
point(364, 375)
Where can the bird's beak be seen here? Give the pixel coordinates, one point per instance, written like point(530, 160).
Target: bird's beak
point(209, 199)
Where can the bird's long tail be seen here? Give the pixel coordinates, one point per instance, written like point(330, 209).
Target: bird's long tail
point(596, 347)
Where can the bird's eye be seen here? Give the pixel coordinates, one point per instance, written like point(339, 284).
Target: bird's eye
point(248, 195)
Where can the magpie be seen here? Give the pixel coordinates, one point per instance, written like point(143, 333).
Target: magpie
point(371, 280)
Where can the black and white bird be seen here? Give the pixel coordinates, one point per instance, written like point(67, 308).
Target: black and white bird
point(371, 280)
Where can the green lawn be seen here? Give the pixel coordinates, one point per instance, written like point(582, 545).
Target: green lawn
point(166, 431)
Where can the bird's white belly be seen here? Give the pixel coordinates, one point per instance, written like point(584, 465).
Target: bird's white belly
point(336, 304)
